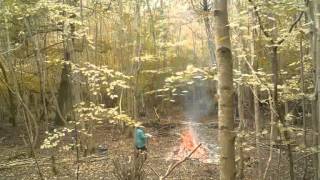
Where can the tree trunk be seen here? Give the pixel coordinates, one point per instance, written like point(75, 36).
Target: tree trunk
point(274, 64)
point(257, 120)
point(12, 101)
point(208, 28)
point(138, 51)
point(314, 110)
point(277, 116)
point(65, 91)
point(303, 104)
point(65, 95)
point(225, 92)
point(241, 126)
point(316, 7)
point(41, 73)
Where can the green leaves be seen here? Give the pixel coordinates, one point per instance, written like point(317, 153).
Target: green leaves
point(54, 138)
point(98, 114)
point(101, 79)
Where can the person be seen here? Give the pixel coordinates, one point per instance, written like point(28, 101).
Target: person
point(140, 139)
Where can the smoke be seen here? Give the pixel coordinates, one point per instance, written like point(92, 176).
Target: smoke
point(198, 102)
point(200, 109)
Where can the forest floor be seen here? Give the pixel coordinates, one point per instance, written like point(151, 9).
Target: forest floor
point(165, 139)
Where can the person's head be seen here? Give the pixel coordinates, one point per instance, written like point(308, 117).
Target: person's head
point(139, 125)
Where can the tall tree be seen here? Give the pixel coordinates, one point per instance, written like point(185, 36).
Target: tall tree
point(65, 96)
point(225, 91)
point(316, 42)
point(206, 10)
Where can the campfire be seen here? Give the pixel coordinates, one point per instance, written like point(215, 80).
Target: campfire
point(189, 141)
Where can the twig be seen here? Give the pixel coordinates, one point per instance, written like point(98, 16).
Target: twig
point(173, 166)
point(156, 113)
point(154, 171)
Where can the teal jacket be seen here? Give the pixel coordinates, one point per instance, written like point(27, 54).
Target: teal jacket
point(140, 138)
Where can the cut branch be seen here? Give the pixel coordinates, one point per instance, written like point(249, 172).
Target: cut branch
point(173, 166)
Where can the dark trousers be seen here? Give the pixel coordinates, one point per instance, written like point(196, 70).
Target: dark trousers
point(141, 148)
point(141, 151)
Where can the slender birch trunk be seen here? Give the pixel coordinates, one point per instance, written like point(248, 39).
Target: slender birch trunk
point(225, 92)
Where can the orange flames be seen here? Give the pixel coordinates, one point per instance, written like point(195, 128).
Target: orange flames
point(189, 142)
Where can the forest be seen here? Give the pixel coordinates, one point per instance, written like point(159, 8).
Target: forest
point(160, 89)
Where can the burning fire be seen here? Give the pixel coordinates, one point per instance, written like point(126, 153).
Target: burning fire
point(189, 141)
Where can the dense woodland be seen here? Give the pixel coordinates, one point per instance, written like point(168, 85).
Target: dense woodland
point(227, 89)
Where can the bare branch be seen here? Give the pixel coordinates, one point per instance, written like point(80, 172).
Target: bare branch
point(293, 25)
point(154, 171)
point(264, 30)
point(256, 12)
point(173, 166)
